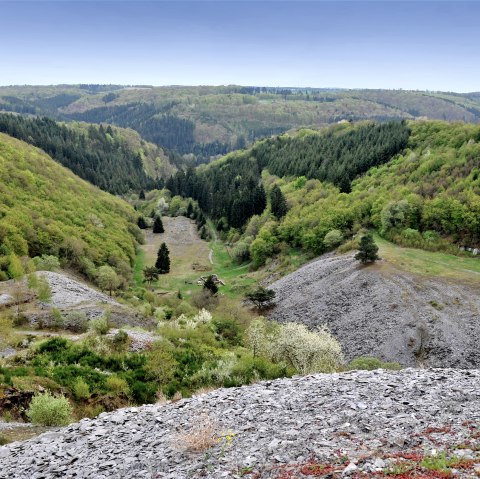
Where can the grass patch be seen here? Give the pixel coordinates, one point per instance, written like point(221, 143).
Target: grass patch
point(427, 263)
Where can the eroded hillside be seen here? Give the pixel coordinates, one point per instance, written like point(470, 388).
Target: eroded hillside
point(383, 311)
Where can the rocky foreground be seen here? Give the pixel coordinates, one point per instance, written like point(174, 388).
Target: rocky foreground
point(412, 423)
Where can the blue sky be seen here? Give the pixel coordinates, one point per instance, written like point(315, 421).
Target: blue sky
point(424, 45)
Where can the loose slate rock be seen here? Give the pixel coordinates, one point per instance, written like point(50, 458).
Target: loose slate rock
point(263, 427)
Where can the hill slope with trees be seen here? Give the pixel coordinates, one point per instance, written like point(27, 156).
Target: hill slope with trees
point(210, 121)
point(46, 210)
point(115, 160)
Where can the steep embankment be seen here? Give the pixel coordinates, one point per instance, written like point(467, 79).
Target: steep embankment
point(46, 209)
point(359, 424)
point(383, 311)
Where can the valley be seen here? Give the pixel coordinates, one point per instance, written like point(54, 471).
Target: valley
point(232, 293)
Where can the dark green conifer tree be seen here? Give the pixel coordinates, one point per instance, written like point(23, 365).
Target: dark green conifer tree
point(367, 250)
point(278, 202)
point(158, 225)
point(163, 259)
point(142, 224)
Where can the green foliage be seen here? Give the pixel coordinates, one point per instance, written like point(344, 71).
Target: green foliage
point(332, 239)
point(210, 285)
point(261, 297)
point(44, 292)
point(278, 203)
point(97, 154)
point(369, 364)
point(162, 263)
point(46, 210)
point(367, 249)
point(150, 274)
point(99, 326)
point(46, 262)
point(108, 279)
point(75, 321)
point(81, 389)
point(48, 410)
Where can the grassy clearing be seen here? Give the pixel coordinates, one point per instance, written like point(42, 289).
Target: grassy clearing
point(427, 263)
point(187, 253)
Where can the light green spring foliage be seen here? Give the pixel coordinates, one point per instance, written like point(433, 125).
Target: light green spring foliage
point(430, 192)
point(99, 326)
point(48, 410)
point(81, 389)
point(44, 292)
point(44, 208)
point(46, 263)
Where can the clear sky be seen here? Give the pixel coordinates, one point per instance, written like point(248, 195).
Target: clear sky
point(424, 45)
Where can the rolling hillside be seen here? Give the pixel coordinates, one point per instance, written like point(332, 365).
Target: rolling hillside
point(115, 159)
point(210, 121)
point(46, 209)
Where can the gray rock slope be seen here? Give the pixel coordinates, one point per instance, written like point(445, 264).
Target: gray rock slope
point(384, 312)
point(356, 418)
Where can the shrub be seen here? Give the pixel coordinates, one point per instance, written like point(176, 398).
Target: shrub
point(76, 321)
point(261, 297)
point(46, 263)
point(204, 299)
point(228, 330)
point(333, 238)
point(241, 252)
point(117, 385)
point(81, 389)
point(367, 250)
point(120, 341)
point(202, 435)
point(307, 351)
point(369, 364)
point(99, 326)
point(48, 410)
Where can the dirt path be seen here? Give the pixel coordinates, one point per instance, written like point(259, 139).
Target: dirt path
point(185, 246)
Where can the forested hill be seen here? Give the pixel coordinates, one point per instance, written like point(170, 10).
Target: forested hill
point(115, 160)
point(230, 189)
point(46, 210)
point(210, 121)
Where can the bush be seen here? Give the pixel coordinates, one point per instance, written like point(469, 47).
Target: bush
point(117, 385)
point(369, 364)
point(46, 263)
point(81, 389)
point(241, 252)
point(332, 239)
point(99, 326)
point(228, 330)
point(48, 410)
point(307, 351)
point(76, 321)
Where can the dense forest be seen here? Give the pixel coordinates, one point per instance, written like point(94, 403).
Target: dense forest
point(338, 156)
point(46, 210)
point(230, 190)
point(208, 121)
point(426, 197)
point(97, 154)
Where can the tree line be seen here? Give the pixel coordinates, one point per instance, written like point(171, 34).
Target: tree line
point(97, 154)
point(230, 190)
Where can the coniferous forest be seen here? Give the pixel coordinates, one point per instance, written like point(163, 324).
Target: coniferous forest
point(96, 154)
point(230, 190)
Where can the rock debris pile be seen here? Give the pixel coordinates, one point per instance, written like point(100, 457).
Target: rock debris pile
point(355, 424)
point(382, 311)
